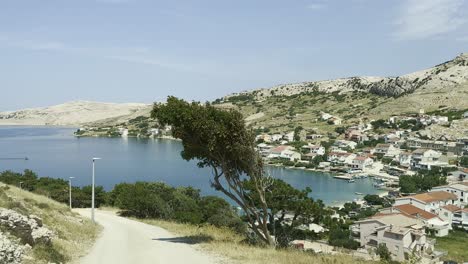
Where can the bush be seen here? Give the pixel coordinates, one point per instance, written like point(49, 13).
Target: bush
point(340, 237)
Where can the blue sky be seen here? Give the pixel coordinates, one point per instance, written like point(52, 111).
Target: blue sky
point(53, 51)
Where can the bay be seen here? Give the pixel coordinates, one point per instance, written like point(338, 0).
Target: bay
point(55, 152)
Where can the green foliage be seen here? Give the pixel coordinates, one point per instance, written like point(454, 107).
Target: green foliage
point(220, 140)
point(297, 133)
point(183, 204)
point(464, 161)
point(241, 98)
point(340, 237)
point(374, 199)
point(383, 252)
point(421, 182)
point(56, 189)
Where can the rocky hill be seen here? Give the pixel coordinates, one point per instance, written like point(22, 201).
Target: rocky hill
point(70, 114)
point(442, 76)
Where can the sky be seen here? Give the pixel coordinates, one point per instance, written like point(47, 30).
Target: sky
point(55, 51)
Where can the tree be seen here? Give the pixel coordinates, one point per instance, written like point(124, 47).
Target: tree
point(464, 161)
point(219, 139)
point(383, 252)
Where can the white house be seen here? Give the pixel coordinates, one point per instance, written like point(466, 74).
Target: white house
point(459, 189)
point(455, 215)
point(401, 234)
point(341, 157)
point(424, 159)
point(361, 162)
point(429, 202)
point(316, 149)
point(405, 159)
point(432, 221)
point(388, 150)
point(345, 144)
point(277, 151)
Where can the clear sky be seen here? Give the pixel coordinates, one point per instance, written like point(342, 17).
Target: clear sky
point(53, 51)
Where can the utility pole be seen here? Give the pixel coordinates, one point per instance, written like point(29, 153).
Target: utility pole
point(92, 194)
point(70, 180)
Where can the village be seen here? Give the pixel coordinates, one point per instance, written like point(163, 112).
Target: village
point(407, 221)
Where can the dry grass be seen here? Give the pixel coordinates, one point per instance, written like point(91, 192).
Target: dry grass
point(226, 243)
point(74, 235)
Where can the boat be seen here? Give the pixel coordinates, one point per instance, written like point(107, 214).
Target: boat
point(358, 193)
point(351, 181)
point(343, 177)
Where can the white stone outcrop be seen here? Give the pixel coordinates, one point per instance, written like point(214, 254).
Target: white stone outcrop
point(10, 251)
point(28, 229)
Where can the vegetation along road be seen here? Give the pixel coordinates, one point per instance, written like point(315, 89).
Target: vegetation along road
point(126, 241)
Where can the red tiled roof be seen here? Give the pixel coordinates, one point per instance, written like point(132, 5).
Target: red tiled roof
point(451, 208)
point(414, 211)
point(433, 196)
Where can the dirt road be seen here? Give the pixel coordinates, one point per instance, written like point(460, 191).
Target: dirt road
point(125, 241)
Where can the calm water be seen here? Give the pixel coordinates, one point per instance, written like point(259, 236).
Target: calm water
point(55, 152)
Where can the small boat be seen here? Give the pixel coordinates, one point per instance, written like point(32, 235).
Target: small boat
point(358, 193)
point(351, 181)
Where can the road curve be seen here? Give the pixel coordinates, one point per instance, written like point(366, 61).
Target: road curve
point(125, 241)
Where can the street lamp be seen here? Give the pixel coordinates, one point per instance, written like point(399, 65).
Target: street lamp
point(70, 178)
point(92, 195)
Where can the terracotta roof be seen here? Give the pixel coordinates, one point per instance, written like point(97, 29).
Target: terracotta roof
point(360, 158)
point(414, 211)
point(451, 208)
point(280, 148)
point(433, 196)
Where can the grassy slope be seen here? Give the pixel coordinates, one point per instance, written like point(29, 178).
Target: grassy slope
point(456, 244)
point(75, 235)
point(225, 243)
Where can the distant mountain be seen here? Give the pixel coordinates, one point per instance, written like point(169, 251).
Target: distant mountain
point(71, 113)
point(442, 76)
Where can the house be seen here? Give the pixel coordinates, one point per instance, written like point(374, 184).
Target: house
point(458, 189)
point(405, 159)
point(361, 162)
point(276, 152)
point(355, 135)
point(424, 159)
point(341, 157)
point(455, 215)
point(290, 155)
point(316, 149)
point(387, 150)
point(345, 144)
point(264, 149)
point(429, 202)
point(309, 156)
point(289, 136)
point(400, 233)
point(432, 221)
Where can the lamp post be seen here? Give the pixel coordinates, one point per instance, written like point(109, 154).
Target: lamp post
point(70, 178)
point(92, 192)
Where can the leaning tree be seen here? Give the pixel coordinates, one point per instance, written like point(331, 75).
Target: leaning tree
point(220, 140)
